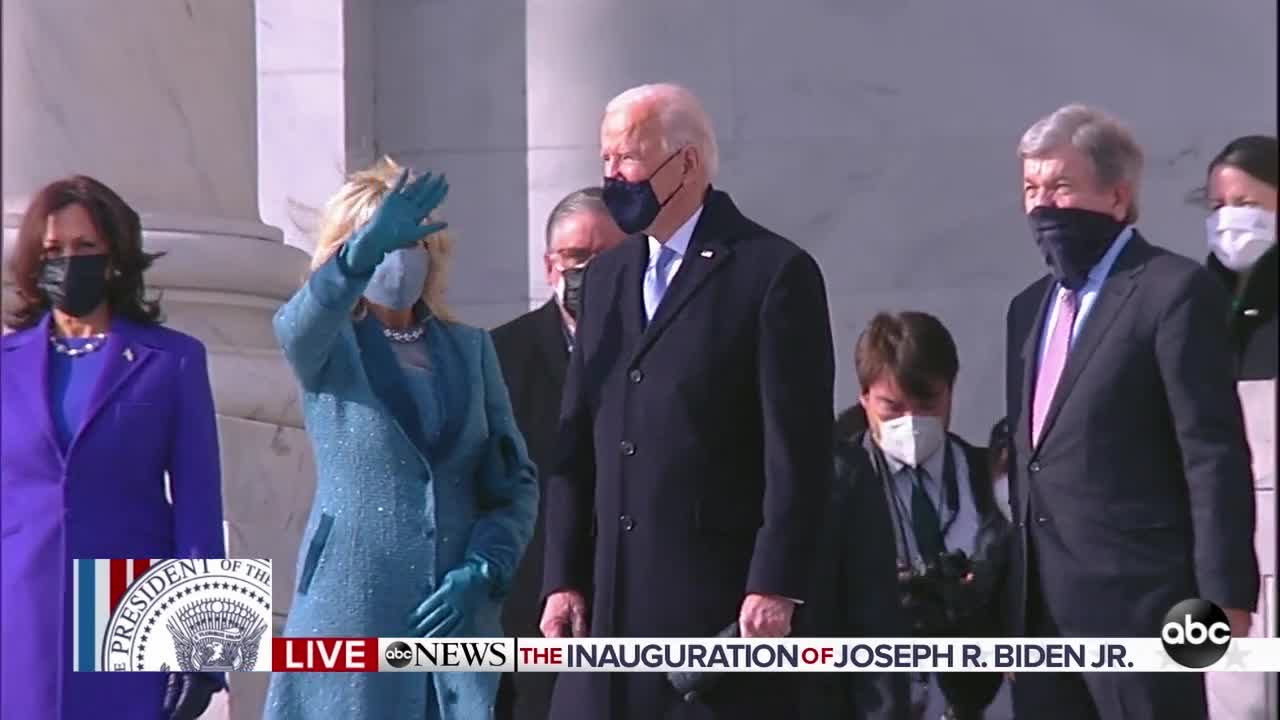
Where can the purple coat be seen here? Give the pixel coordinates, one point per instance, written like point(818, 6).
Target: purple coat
point(150, 413)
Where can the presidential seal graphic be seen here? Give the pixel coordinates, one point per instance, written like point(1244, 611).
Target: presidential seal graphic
point(193, 616)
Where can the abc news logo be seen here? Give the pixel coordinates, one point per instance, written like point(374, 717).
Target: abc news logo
point(447, 654)
point(1196, 633)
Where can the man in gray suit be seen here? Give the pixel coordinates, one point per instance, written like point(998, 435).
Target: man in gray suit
point(1129, 475)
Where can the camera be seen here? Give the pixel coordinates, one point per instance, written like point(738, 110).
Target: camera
point(942, 595)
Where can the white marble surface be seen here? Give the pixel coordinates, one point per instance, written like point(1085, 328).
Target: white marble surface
point(269, 480)
point(154, 98)
point(303, 149)
point(583, 52)
point(449, 75)
point(302, 110)
point(359, 68)
point(449, 81)
point(299, 35)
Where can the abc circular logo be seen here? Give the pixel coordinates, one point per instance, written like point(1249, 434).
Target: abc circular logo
point(399, 654)
point(1196, 633)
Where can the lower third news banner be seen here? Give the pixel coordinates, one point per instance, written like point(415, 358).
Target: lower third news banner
point(1212, 652)
point(186, 615)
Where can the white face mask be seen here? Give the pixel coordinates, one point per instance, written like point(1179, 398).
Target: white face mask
point(912, 439)
point(1239, 236)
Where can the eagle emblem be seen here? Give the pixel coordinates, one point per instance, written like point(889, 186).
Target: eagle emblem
point(216, 636)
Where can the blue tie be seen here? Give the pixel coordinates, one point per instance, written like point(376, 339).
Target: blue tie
point(655, 281)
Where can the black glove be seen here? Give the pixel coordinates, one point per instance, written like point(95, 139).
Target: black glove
point(187, 695)
point(694, 685)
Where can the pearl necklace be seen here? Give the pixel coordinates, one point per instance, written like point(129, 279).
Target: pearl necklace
point(95, 343)
point(405, 336)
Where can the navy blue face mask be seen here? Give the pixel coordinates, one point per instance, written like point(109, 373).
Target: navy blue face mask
point(634, 205)
point(1073, 240)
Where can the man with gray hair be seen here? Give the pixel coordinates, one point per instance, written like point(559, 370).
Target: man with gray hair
point(534, 352)
point(1129, 475)
point(695, 433)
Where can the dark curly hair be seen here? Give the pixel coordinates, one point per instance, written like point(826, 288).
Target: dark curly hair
point(119, 227)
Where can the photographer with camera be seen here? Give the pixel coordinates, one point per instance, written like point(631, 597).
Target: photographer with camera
point(909, 494)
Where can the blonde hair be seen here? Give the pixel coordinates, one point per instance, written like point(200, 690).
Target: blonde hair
point(353, 206)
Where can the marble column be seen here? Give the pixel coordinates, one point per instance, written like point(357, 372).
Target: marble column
point(157, 99)
point(315, 107)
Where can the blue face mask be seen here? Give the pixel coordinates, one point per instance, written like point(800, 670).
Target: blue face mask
point(398, 281)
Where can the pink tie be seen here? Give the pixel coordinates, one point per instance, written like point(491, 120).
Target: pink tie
point(1055, 358)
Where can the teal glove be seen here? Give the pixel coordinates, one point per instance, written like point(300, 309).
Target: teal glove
point(463, 589)
point(397, 223)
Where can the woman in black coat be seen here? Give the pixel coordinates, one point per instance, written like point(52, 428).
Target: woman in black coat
point(1241, 232)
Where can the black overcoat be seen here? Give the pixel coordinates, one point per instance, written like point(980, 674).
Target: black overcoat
point(694, 456)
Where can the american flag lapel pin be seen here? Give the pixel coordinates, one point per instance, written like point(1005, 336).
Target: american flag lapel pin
point(128, 354)
point(708, 254)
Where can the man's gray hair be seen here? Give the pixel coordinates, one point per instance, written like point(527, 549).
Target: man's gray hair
point(589, 200)
point(1116, 156)
point(681, 116)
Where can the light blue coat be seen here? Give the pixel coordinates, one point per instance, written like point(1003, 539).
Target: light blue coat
point(387, 523)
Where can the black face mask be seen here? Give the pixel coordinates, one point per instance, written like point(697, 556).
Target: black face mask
point(75, 284)
point(573, 290)
point(634, 205)
point(1073, 240)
